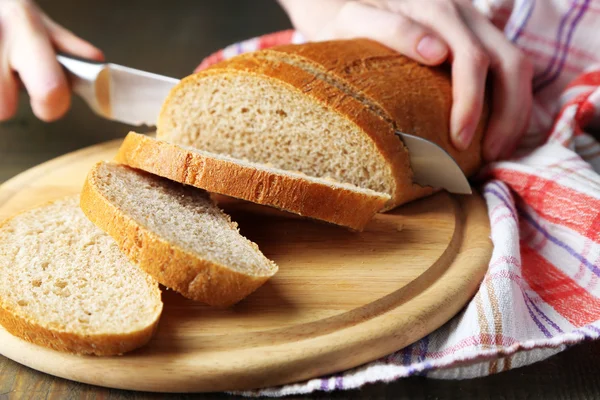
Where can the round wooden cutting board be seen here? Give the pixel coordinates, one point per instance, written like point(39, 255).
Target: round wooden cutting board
point(340, 299)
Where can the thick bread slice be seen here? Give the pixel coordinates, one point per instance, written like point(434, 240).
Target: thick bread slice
point(175, 233)
point(270, 112)
point(65, 285)
point(341, 204)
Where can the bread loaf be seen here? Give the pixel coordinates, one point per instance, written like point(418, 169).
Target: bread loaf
point(328, 110)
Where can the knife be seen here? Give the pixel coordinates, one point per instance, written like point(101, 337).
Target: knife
point(433, 166)
point(135, 97)
point(117, 92)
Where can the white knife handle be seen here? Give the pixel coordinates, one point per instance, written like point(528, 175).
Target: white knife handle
point(90, 80)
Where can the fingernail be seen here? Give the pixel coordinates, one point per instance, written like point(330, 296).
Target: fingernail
point(431, 48)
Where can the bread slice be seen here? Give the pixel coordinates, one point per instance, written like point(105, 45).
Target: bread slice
point(341, 204)
point(175, 233)
point(65, 285)
point(328, 110)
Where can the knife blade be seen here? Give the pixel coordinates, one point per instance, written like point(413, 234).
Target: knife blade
point(117, 92)
point(135, 97)
point(433, 166)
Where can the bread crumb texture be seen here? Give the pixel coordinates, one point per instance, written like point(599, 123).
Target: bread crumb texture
point(183, 216)
point(66, 285)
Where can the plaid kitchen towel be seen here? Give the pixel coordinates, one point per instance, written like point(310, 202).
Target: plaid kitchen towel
point(541, 292)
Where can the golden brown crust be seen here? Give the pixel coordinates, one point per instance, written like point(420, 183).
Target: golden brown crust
point(337, 205)
point(371, 85)
point(380, 132)
point(70, 342)
point(99, 345)
point(193, 277)
point(417, 98)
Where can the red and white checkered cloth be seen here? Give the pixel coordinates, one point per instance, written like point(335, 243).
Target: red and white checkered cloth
point(541, 293)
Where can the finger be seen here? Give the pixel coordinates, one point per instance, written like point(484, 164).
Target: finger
point(31, 55)
point(9, 92)
point(470, 63)
point(509, 146)
point(501, 133)
point(512, 91)
point(511, 107)
point(392, 29)
point(66, 42)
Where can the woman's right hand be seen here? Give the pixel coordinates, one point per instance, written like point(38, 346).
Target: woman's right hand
point(29, 40)
point(432, 32)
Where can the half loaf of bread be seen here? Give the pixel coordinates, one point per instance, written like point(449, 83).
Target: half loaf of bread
point(175, 233)
point(328, 110)
point(341, 204)
point(64, 284)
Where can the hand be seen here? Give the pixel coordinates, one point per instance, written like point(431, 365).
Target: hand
point(431, 32)
point(28, 39)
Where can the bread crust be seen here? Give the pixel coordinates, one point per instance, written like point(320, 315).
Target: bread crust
point(169, 264)
point(337, 205)
point(374, 87)
point(415, 97)
point(380, 132)
point(98, 345)
point(70, 342)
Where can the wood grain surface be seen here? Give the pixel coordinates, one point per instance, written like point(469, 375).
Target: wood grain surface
point(340, 298)
point(171, 38)
point(571, 375)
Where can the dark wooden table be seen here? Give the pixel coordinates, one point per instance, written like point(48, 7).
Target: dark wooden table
point(172, 38)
